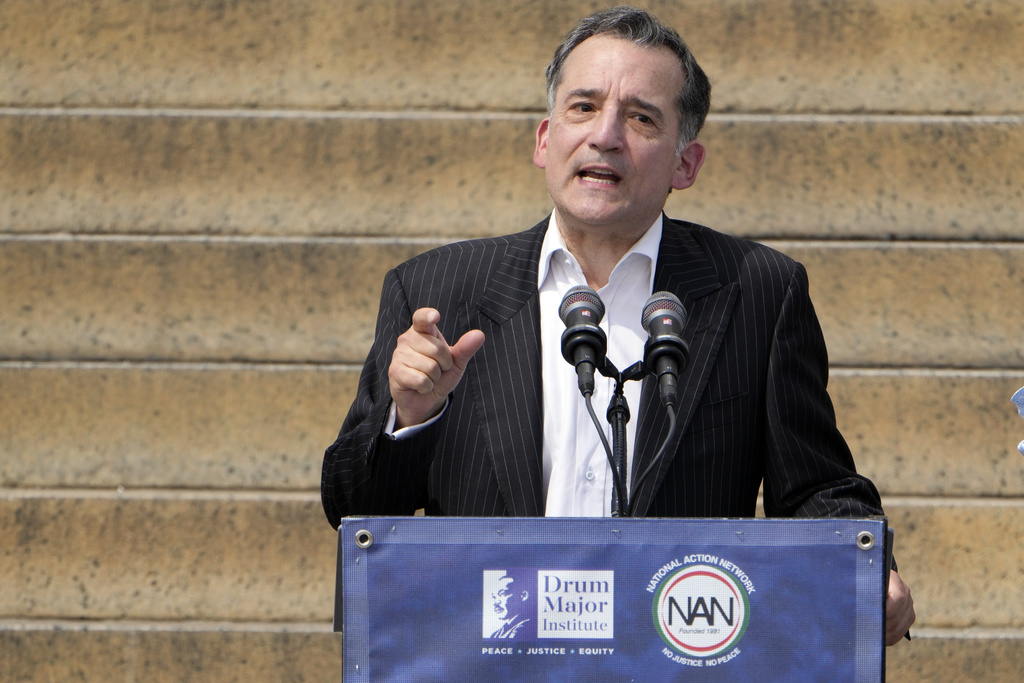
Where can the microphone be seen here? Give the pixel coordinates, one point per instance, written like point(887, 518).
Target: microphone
point(665, 352)
point(583, 343)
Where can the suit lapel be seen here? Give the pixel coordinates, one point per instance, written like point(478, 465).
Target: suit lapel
point(686, 271)
point(507, 389)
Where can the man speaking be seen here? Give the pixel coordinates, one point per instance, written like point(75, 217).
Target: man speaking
point(466, 405)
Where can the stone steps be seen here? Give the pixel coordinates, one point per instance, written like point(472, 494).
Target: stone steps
point(186, 426)
point(454, 175)
point(130, 572)
point(955, 655)
point(231, 653)
point(240, 426)
point(258, 556)
point(198, 202)
point(159, 652)
point(282, 300)
point(911, 56)
point(270, 556)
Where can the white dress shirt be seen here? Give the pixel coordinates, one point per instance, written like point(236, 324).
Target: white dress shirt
point(577, 476)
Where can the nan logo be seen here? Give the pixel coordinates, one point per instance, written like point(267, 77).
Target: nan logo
point(701, 610)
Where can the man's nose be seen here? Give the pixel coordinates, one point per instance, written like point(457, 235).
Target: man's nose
point(608, 132)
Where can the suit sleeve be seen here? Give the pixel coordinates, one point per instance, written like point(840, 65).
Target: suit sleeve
point(365, 472)
point(809, 470)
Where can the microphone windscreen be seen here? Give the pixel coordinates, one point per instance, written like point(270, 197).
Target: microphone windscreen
point(663, 304)
point(581, 297)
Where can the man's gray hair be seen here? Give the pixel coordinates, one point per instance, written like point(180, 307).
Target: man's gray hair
point(645, 30)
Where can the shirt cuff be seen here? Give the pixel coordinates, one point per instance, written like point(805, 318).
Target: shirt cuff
point(406, 432)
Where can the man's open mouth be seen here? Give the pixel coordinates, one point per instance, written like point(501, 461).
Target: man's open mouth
point(599, 176)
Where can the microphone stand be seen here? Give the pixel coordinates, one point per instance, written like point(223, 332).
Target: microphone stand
point(618, 417)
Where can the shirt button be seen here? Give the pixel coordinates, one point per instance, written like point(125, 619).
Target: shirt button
point(590, 475)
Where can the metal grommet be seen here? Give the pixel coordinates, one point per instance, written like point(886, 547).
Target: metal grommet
point(865, 540)
point(364, 539)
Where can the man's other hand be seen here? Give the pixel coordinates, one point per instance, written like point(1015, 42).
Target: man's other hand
point(899, 610)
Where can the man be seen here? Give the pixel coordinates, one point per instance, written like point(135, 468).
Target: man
point(492, 425)
point(506, 606)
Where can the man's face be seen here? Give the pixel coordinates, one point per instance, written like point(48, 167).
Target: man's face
point(500, 600)
point(609, 145)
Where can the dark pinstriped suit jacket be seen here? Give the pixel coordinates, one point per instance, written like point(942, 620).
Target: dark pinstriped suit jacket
point(753, 402)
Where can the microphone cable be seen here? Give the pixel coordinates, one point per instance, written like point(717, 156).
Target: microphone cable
point(620, 486)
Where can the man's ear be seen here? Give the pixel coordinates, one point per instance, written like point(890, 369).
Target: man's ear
point(690, 161)
point(540, 156)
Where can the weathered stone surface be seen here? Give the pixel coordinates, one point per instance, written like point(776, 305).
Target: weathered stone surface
point(913, 432)
point(458, 175)
point(773, 55)
point(74, 651)
point(933, 433)
point(166, 555)
point(159, 555)
point(907, 304)
point(272, 173)
point(953, 178)
point(954, 656)
point(881, 304)
point(963, 559)
point(156, 653)
point(214, 426)
point(189, 299)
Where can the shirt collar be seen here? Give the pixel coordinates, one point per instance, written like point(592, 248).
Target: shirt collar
point(553, 244)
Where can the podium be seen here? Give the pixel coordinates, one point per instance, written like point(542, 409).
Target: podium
point(603, 599)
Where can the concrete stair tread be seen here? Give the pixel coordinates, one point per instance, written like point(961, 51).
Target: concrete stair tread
point(279, 300)
point(208, 556)
point(166, 555)
point(254, 426)
point(169, 651)
point(285, 653)
point(903, 56)
point(455, 175)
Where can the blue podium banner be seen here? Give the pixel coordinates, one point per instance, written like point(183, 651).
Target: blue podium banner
point(526, 599)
